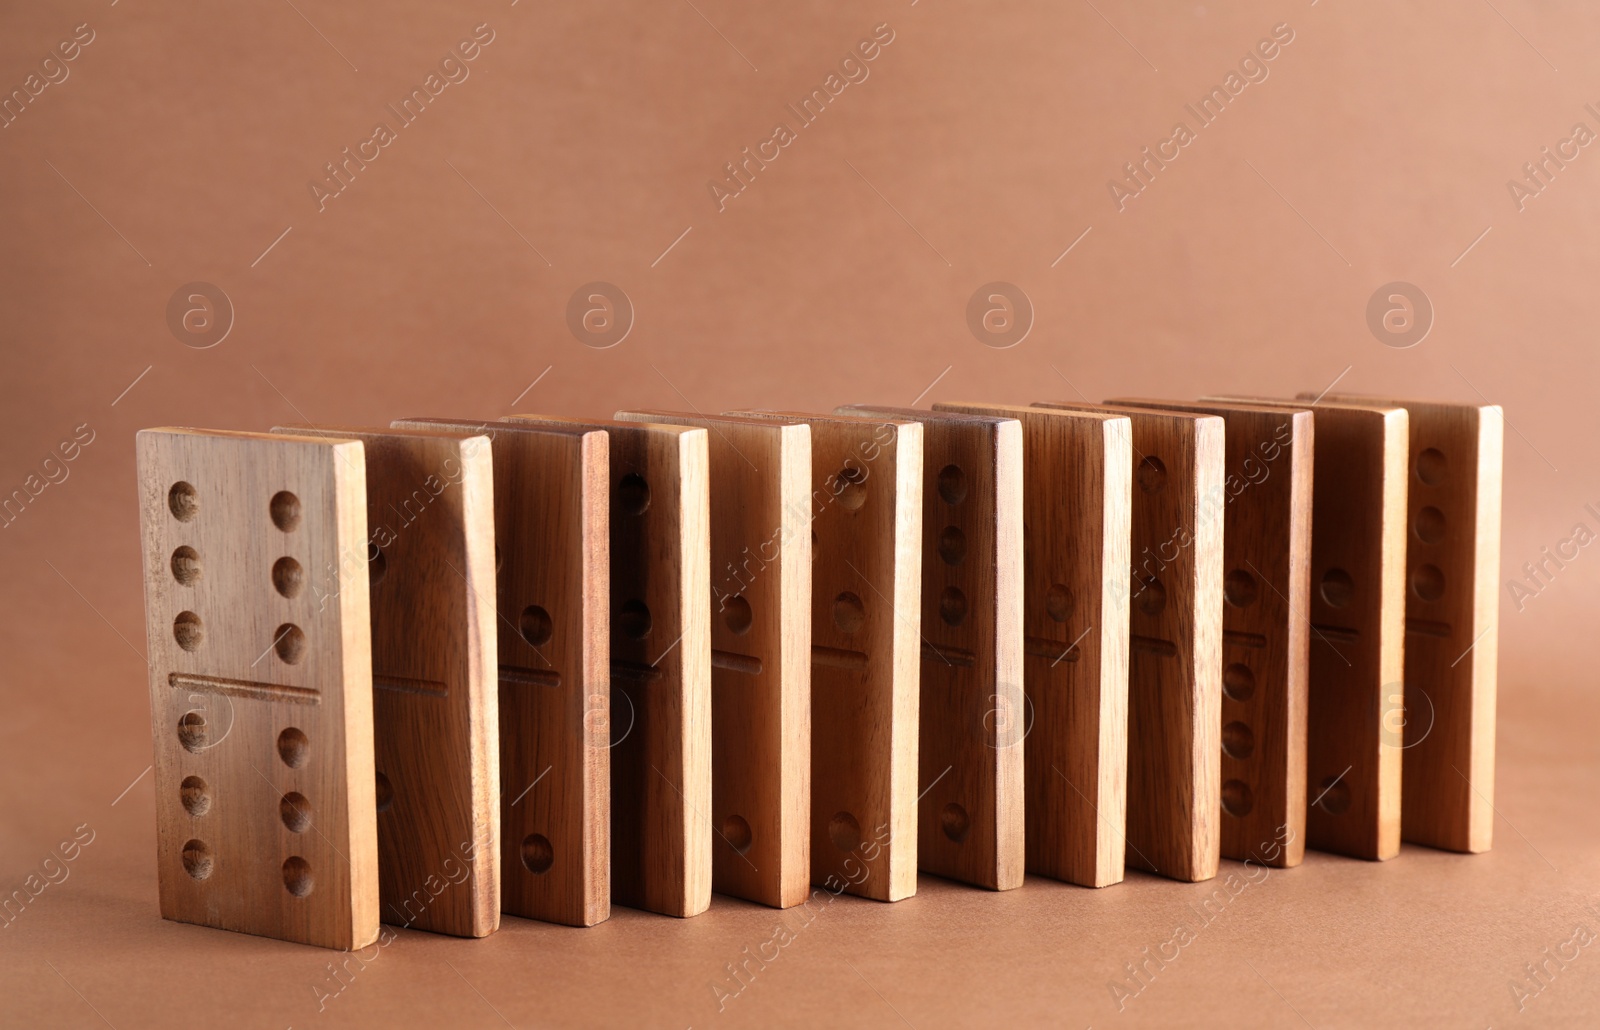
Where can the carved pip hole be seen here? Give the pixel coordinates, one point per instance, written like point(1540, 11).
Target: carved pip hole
point(192, 732)
point(1238, 740)
point(295, 811)
point(297, 878)
point(633, 619)
point(285, 508)
point(1429, 525)
point(736, 614)
point(287, 577)
point(1238, 682)
point(736, 831)
point(1239, 588)
point(1333, 796)
point(952, 484)
point(535, 626)
point(196, 796)
point(844, 831)
point(850, 488)
point(1152, 596)
point(1152, 474)
point(183, 501)
point(952, 545)
point(188, 631)
point(1427, 582)
point(1337, 588)
point(197, 859)
point(290, 643)
point(955, 822)
point(186, 566)
point(848, 613)
point(1432, 468)
point(294, 747)
point(633, 494)
point(953, 606)
point(537, 854)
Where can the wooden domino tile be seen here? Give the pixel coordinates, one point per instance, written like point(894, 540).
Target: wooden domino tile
point(1452, 622)
point(255, 580)
point(1077, 477)
point(1174, 642)
point(660, 568)
point(1355, 699)
point(866, 580)
point(550, 596)
point(1264, 504)
point(972, 716)
point(760, 489)
point(430, 520)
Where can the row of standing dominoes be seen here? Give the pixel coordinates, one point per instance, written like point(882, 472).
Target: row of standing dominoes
point(427, 674)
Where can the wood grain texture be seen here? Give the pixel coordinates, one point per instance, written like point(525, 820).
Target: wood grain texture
point(263, 766)
point(551, 670)
point(1452, 621)
point(971, 706)
point(661, 834)
point(866, 590)
point(1265, 508)
point(760, 487)
point(430, 520)
point(1175, 641)
point(1077, 475)
point(1356, 702)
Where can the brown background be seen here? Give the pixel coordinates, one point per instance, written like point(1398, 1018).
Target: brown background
point(979, 148)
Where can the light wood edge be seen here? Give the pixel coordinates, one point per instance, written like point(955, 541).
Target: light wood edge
point(694, 494)
point(1302, 454)
point(907, 660)
point(1115, 611)
point(1397, 448)
point(1011, 857)
point(1486, 606)
point(483, 707)
point(349, 464)
point(1210, 474)
point(795, 660)
point(595, 450)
